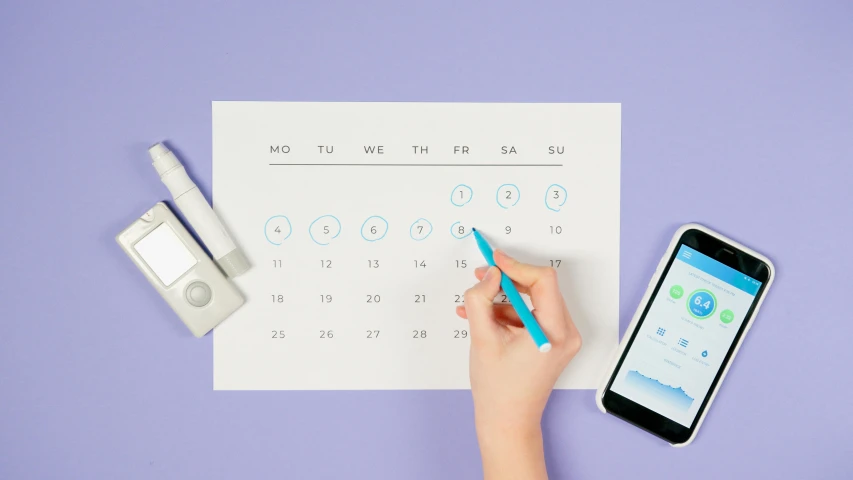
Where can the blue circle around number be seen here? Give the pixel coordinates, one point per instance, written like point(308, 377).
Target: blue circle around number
point(701, 304)
point(383, 233)
point(463, 200)
point(289, 226)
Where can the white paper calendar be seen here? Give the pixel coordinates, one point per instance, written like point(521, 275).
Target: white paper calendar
point(357, 217)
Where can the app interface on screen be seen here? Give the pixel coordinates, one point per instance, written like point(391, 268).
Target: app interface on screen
point(683, 340)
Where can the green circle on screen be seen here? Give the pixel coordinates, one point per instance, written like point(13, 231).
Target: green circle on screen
point(676, 291)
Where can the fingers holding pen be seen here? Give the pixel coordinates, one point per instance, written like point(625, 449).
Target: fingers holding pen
point(542, 286)
point(478, 307)
point(479, 272)
point(504, 314)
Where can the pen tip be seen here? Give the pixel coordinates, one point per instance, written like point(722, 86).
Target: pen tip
point(473, 229)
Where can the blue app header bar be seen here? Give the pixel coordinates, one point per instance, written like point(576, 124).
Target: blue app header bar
point(716, 269)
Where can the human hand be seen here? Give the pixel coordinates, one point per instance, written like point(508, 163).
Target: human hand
point(511, 379)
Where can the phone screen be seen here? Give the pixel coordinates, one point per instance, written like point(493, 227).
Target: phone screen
point(685, 336)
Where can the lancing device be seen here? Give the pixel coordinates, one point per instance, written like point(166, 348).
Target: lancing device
point(514, 297)
point(198, 212)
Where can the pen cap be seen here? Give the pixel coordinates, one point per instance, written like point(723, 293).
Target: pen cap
point(233, 263)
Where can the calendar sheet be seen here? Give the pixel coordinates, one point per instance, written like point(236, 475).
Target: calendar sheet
point(357, 217)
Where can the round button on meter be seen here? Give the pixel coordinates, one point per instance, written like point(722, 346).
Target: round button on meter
point(197, 294)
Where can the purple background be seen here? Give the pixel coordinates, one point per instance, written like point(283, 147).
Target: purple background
point(736, 115)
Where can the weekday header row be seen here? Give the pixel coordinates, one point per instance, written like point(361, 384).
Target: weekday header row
point(420, 150)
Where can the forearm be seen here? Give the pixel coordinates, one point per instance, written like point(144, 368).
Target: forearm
point(512, 453)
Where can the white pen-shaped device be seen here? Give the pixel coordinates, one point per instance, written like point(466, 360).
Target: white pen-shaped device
point(198, 212)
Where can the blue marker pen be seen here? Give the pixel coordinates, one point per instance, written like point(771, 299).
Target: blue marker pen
point(514, 297)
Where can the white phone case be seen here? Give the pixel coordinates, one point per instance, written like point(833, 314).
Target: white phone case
point(647, 297)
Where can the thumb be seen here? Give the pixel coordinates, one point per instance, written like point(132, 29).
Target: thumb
point(479, 306)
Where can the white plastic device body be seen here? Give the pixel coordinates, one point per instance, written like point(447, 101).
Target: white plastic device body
point(647, 297)
point(179, 269)
point(198, 212)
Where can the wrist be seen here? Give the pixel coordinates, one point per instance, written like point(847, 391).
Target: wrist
point(507, 433)
point(512, 450)
point(507, 420)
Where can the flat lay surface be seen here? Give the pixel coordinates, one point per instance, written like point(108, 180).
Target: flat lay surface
point(737, 116)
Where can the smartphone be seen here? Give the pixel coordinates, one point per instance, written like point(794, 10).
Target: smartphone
point(692, 320)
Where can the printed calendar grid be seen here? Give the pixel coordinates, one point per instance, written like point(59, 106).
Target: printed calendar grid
point(361, 257)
